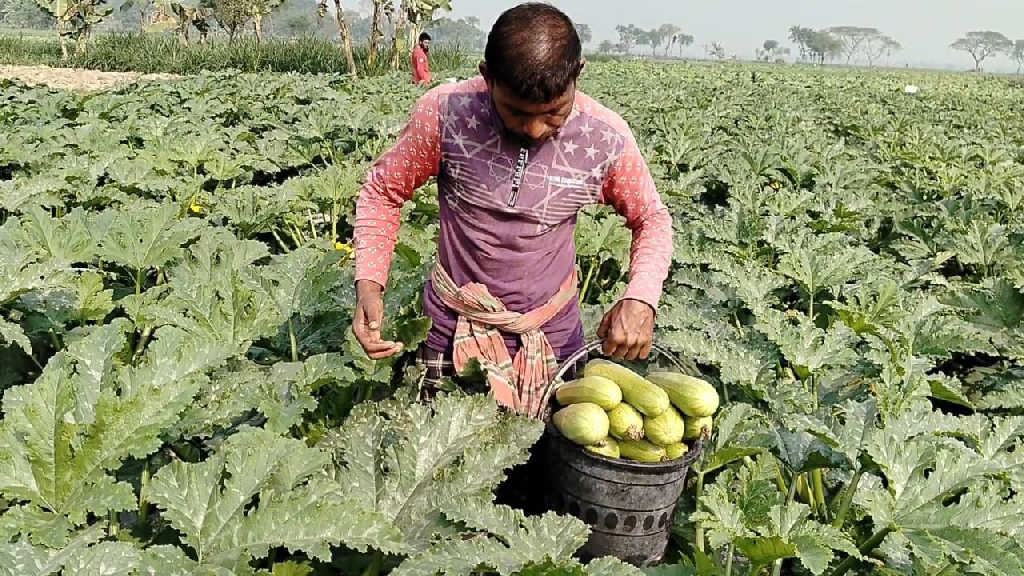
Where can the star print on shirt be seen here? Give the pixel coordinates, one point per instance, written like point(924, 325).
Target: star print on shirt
point(621, 179)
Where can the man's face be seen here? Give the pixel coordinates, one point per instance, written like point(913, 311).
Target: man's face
point(425, 44)
point(531, 123)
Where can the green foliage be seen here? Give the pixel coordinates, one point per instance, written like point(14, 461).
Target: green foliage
point(182, 393)
point(26, 14)
point(165, 54)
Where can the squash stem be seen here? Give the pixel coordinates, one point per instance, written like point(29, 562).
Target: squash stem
point(847, 499)
point(700, 525)
point(819, 493)
point(777, 569)
point(114, 525)
point(375, 564)
point(293, 339)
point(143, 500)
point(869, 545)
point(586, 282)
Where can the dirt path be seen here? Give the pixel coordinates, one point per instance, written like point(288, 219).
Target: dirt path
point(74, 78)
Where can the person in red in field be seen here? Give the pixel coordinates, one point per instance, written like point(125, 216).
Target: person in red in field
point(420, 60)
point(517, 152)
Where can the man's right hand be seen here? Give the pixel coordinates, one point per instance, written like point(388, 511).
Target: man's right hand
point(368, 319)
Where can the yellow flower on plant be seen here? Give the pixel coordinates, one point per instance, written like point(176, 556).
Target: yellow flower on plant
point(195, 208)
point(342, 247)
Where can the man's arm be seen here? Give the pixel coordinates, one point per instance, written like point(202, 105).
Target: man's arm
point(628, 329)
point(408, 164)
point(630, 190)
point(413, 159)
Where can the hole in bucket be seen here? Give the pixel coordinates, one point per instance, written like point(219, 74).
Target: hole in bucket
point(558, 502)
point(574, 509)
point(590, 517)
point(648, 522)
point(611, 521)
point(630, 524)
point(663, 520)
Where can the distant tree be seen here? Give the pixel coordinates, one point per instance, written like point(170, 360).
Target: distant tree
point(682, 40)
point(827, 47)
point(584, 32)
point(655, 37)
point(801, 36)
point(669, 33)
point(715, 50)
point(258, 11)
point(606, 47)
point(25, 14)
point(629, 36)
point(643, 37)
point(231, 15)
point(771, 50)
point(878, 46)
point(381, 9)
point(344, 32)
point(1018, 54)
point(463, 32)
point(853, 38)
point(816, 45)
point(294, 24)
point(982, 44)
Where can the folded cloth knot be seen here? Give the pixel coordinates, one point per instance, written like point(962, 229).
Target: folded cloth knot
point(518, 383)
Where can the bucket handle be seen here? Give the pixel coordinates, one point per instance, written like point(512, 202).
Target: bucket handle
point(688, 367)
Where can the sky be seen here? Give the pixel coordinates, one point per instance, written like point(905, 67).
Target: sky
point(926, 28)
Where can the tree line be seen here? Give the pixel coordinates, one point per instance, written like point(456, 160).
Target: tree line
point(395, 24)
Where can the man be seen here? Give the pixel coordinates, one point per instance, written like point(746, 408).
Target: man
point(517, 152)
point(420, 62)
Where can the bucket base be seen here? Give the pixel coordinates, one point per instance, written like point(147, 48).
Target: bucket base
point(629, 506)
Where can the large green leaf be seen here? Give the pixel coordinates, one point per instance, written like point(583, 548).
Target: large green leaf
point(499, 538)
point(65, 431)
point(146, 238)
point(299, 508)
point(407, 462)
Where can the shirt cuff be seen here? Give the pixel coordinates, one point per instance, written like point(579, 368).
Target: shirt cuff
point(380, 276)
point(644, 292)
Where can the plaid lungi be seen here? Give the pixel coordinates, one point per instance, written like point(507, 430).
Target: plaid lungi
point(438, 365)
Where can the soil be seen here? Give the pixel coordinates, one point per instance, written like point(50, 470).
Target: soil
point(74, 78)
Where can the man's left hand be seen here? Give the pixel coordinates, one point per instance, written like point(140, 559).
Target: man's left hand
point(627, 331)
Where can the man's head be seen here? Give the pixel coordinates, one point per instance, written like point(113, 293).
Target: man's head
point(424, 41)
point(531, 64)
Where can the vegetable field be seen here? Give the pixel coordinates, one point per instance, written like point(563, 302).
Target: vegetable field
point(182, 394)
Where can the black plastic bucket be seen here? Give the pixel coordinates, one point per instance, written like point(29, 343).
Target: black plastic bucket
point(629, 506)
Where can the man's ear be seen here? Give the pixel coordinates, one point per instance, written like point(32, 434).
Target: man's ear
point(483, 71)
point(583, 64)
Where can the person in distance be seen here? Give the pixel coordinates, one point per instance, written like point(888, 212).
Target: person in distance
point(421, 60)
point(517, 151)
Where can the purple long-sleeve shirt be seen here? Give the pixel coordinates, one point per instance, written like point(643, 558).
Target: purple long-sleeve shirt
point(517, 241)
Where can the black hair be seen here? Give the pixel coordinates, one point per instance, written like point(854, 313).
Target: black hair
point(533, 51)
point(424, 36)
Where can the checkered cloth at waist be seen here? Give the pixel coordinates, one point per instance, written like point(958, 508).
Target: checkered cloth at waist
point(439, 365)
